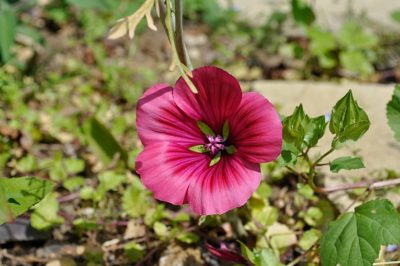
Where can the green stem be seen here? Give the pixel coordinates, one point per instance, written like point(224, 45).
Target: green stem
point(323, 156)
point(180, 44)
point(171, 36)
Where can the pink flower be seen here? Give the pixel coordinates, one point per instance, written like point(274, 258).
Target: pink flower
point(205, 149)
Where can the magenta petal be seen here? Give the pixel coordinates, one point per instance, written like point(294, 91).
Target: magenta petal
point(256, 130)
point(159, 119)
point(224, 253)
point(224, 186)
point(218, 98)
point(167, 170)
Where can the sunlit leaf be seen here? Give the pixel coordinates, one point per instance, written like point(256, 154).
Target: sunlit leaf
point(348, 120)
point(20, 194)
point(355, 238)
point(347, 163)
point(45, 213)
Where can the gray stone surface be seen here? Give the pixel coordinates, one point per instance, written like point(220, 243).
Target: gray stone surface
point(378, 146)
point(330, 13)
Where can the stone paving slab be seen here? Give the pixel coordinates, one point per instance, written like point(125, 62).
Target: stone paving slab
point(378, 146)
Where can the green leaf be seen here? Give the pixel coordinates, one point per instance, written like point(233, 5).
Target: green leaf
point(294, 126)
point(266, 257)
point(160, 229)
point(347, 163)
point(396, 15)
point(356, 62)
point(205, 129)
point(109, 180)
point(288, 155)
point(74, 165)
point(198, 148)
point(188, 238)
point(85, 224)
point(353, 37)
point(355, 238)
point(315, 130)
point(302, 13)
point(216, 159)
point(20, 194)
point(321, 42)
point(348, 121)
point(102, 141)
point(134, 251)
point(45, 213)
point(87, 193)
point(73, 183)
point(309, 238)
point(8, 22)
point(393, 112)
point(246, 252)
point(135, 200)
point(225, 130)
point(301, 130)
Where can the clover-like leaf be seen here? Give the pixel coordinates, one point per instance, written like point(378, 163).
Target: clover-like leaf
point(355, 238)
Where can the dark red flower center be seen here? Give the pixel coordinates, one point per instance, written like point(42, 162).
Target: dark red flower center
point(215, 144)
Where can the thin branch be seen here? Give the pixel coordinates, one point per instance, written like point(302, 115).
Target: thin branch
point(363, 184)
point(323, 156)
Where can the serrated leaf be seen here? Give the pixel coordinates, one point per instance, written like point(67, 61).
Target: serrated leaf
point(294, 126)
point(301, 130)
point(205, 128)
point(102, 141)
point(355, 238)
point(348, 120)
point(347, 163)
point(8, 22)
point(393, 112)
point(20, 194)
